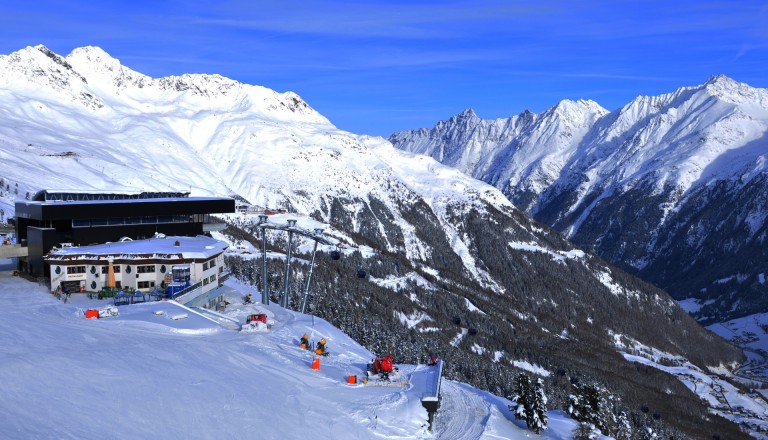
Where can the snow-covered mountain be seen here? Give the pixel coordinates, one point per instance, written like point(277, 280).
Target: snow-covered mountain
point(672, 187)
point(453, 267)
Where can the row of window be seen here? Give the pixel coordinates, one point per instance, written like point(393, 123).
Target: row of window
point(139, 285)
point(152, 219)
point(150, 268)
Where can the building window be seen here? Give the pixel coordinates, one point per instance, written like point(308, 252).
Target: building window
point(145, 269)
point(212, 278)
point(205, 266)
point(146, 284)
point(75, 269)
point(205, 281)
point(104, 269)
point(213, 263)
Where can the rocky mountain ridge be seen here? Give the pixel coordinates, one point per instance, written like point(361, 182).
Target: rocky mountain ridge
point(669, 187)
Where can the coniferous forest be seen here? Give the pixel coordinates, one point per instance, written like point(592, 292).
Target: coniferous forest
point(551, 313)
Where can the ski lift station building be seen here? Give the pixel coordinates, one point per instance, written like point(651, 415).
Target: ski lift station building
point(142, 265)
point(83, 218)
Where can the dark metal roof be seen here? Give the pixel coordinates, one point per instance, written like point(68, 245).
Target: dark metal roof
point(84, 209)
point(49, 195)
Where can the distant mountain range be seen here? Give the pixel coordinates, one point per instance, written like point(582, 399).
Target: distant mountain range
point(673, 188)
point(450, 265)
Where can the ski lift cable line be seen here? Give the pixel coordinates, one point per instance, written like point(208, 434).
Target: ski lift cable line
point(295, 230)
point(291, 229)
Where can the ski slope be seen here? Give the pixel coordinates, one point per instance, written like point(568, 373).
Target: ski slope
point(144, 375)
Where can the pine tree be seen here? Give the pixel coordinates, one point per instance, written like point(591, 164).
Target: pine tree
point(605, 416)
point(538, 414)
point(521, 396)
point(530, 403)
point(584, 431)
point(623, 427)
point(589, 404)
point(577, 409)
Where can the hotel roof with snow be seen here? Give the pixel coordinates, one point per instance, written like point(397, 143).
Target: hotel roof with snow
point(171, 247)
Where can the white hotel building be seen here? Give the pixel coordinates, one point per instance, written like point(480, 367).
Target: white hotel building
point(137, 264)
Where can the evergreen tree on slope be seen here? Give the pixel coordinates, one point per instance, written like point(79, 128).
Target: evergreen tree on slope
point(521, 396)
point(537, 417)
point(588, 403)
point(530, 403)
point(584, 431)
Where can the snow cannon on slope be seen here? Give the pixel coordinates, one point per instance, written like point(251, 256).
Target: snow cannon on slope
point(321, 350)
point(383, 369)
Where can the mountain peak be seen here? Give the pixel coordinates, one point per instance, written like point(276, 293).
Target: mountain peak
point(95, 63)
point(722, 84)
point(735, 92)
point(93, 53)
point(58, 59)
point(468, 113)
point(579, 105)
point(721, 79)
point(465, 116)
point(38, 70)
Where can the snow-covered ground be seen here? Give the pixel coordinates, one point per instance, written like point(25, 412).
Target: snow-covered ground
point(143, 375)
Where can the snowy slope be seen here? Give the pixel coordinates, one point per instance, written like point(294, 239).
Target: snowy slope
point(87, 122)
point(143, 375)
point(663, 186)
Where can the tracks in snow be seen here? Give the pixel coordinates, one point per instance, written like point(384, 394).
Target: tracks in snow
point(465, 413)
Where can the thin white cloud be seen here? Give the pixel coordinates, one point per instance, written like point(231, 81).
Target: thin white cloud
point(363, 20)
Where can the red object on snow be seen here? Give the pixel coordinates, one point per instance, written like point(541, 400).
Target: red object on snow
point(256, 317)
point(91, 313)
point(384, 365)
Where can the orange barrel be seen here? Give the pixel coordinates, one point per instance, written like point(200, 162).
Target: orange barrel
point(91, 313)
point(316, 364)
point(352, 379)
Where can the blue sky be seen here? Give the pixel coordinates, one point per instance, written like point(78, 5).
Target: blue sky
point(379, 67)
